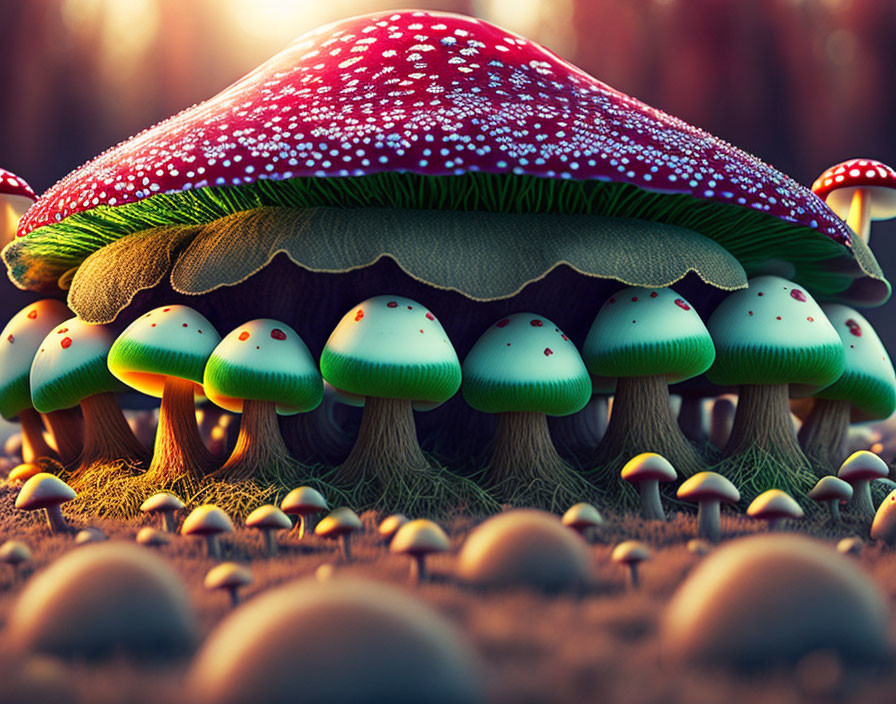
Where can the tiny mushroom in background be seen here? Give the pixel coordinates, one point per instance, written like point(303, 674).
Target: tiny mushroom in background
point(90, 535)
point(341, 523)
point(884, 525)
point(851, 546)
point(859, 191)
point(831, 490)
point(48, 492)
point(16, 196)
point(390, 525)
point(631, 553)
point(860, 469)
point(166, 504)
point(646, 471)
point(721, 421)
point(229, 577)
point(14, 553)
point(583, 518)
point(418, 539)
point(152, 537)
point(303, 502)
point(699, 546)
point(23, 472)
point(775, 507)
point(208, 521)
point(708, 490)
point(269, 519)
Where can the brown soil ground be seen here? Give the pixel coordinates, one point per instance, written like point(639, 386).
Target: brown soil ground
point(602, 647)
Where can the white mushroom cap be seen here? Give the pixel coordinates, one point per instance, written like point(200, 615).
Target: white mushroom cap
point(420, 537)
point(152, 537)
point(207, 519)
point(390, 524)
point(12, 552)
point(303, 500)
point(163, 501)
point(708, 485)
point(830, 488)
point(90, 535)
point(228, 575)
point(631, 552)
point(582, 515)
point(773, 505)
point(863, 466)
point(648, 466)
point(268, 517)
point(340, 521)
point(850, 546)
point(44, 490)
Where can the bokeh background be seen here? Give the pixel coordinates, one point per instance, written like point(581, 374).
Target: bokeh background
point(801, 83)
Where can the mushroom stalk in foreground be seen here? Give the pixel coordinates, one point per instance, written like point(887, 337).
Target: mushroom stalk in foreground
point(179, 450)
point(34, 445)
point(67, 428)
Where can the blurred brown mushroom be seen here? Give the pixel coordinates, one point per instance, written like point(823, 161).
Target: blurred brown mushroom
point(418, 539)
point(209, 522)
point(152, 537)
point(341, 523)
point(269, 520)
point(883, 527)
point(631, 553)
point(584, 519)
point(229, 577)
point(90, 534)
point(15, 554)
point(390, 525)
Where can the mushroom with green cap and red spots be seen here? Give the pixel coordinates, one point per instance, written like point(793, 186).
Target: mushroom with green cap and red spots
point(261, 369)
point(767, 337)
point(859, 191)
point(70, 369)
point(163, 353)
point(859, 470)
point(708, 490)
point(395, 353)
point(523, 368)
point(646, 338)
point(865, 391)
point(19, 343)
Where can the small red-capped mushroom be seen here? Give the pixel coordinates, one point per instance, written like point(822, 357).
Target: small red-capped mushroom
point(859, 191)
point(16, 197)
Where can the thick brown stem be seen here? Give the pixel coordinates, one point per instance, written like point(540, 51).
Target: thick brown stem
point(107, 435)
point(33, 444)
point(642, 421)
point(763, 422)
point(67, 428)
point(179, 450)
point(55, 520)
point(387, 445)
point(260, 453)
point(824, 434)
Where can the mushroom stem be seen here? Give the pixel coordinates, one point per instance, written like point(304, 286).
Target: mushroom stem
point(859, 218)
point(834, 508)
point(634, 579)
point(55, 520)
point(580, 433)
point(345, 547)
point(690, 418)
point(34, 446)
point(776, 524)
point(720, 422)
point(67, 429)
point(270, 543)
point(651, 506)
point(823, 435)
point(709, 520)
point(301, 525)
point(179, 450)
point(234, 596)
point(213, 546)
point(168, 522)
point(525, 468)
point(107, 435)
point(642, 421)
point(260, 453)
point(418, 571)
point(861, 503)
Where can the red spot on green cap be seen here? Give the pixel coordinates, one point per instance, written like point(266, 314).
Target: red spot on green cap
point(536, 323)
point(810, 319)
point(11, 339)
point(392, 304)
point(564, 337)
point(244, 335)
point(185, 325)
point(634, 299)
point(61, 331)
point(613, 300)
point(548, 351)
point(359, 315)
point(278, 334)
point(502, 323)
point(683, 304)
point(854, 327)
point(653, 294)
point(797, 295)
point(32, 314)
point(66, 343)
point(430, 316)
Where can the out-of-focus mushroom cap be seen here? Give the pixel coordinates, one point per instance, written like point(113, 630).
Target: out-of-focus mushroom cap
point(263, 360)
point(13, 552)
point(23, 472)
point(774, 504)
point(390, 524)
point(773, 332)
point(104, 599)
point(648, 466)
point(163, 501)
point(228, 575)
point(630, 552)
point(90, 535)
point(837, 185)
point(863, 466)
point(524, 548)
point(153, 537)
point(884, 525)
point(70, 365)
point(343, 641)
point(868, 382)
point(268, 517)
point(170, 341)
point(708, 485)
point(19, 341)
point(43, 490)
point(16, 196)
point(525, 363)
point(770, 598)
point(391, 347)
point(831, 488)
point(303, 500)
point(207, 519)
point(582, 515)
point(648, 332)
point(339, 521)
point(420, 537)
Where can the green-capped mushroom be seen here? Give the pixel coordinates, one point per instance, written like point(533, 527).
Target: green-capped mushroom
point(767, 337)
point(646, 338)
point(19, 341)
point(865, 391)
point(394, 352)
point(69, 369)
point(163, 354)
point(260, 369)
point(524, 368)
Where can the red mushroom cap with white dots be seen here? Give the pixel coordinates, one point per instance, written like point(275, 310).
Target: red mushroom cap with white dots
point(838, 184)
point(16, 197)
